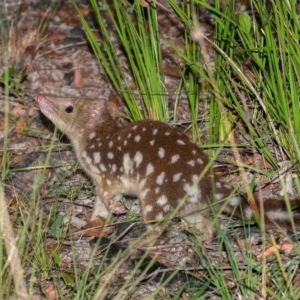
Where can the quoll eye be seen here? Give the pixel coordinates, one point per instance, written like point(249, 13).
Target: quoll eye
point(69, 109)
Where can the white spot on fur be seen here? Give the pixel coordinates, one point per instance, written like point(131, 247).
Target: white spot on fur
point(114, 168)
point(97, 157)
point(108, 182)
point(191, 163)
point(195, 178)
point(134, 127)
point(142, 183)
point(219, 196)
point(157, 190)
point(200, 161)
point(159, 216)
point(88, 160)
point(279, 215)
point(94, 169)
point(218, 184)
point(148, 208)
point(102, 168)
point(105, 193)
point(127, 163)
point(235, 201)
point(119, 148)
point(167, 133)
point(137, 138)
point(154, 132)
point(152, 142)
point(149, 169)
point(125, 142)
point(138, 158)
point(144, 129)
point(176, 177)
point(161, 152)
point(110, 155)
point(110, 144)
point(129, 135)
point(167, 208)
point(174, 158)
point(162, 200)
point(92, 146)
point(194, 152)
point(180, 142)
point(92, 135)
point(193, 191)
point(248, 213)
point(160, 178)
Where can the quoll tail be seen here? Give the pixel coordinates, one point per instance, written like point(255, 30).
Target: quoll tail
point(276, 211)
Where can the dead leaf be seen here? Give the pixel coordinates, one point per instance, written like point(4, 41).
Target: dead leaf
point(33, 111)
point(152, 114)
point(274, 249)
point(17, 159)
point(55, 36)
point(52, 293)
point(20, 126)
point(23, 7)
point(31, 50)
point(145, 3)
point(94, 228)
point(77, 79)
point(69, 15)
point(170, 70)
point(51, 245)
point(18, 110)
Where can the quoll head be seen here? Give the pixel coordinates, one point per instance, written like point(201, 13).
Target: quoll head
point(71, 115)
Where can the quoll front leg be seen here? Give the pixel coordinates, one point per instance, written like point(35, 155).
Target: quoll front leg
point(100, 209)
point(106, 204)
point(101, 206)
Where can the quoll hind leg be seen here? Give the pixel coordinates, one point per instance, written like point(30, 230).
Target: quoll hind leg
point(196, 222)
point(157, 214)
point(202, 222)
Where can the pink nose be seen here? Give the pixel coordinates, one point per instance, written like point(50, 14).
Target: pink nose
point(40, 98)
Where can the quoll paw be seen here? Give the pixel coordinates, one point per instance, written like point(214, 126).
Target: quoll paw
point(116, 207)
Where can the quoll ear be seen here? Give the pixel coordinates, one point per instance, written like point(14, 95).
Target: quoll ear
point(113, 109)
point(98, 108)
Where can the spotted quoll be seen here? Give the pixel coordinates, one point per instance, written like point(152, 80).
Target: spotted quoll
point(148, 159)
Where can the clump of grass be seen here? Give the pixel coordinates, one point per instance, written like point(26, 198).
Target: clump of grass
point(140, 41)
point(257, 74)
